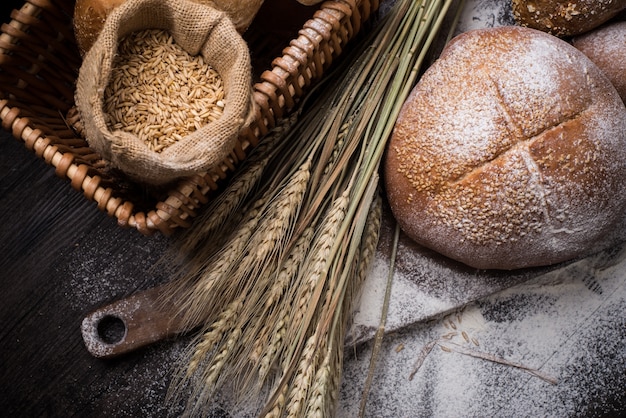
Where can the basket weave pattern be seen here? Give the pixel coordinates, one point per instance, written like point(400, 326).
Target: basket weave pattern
point(39, 63)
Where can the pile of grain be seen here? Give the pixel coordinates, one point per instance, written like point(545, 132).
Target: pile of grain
point(159, 92)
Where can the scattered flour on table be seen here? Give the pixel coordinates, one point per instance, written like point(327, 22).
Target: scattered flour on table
point(564, 324)
point(405, 306)
point(98, 268)
point(485, 14)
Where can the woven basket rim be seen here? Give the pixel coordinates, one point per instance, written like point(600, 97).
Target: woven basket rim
point(304, 61)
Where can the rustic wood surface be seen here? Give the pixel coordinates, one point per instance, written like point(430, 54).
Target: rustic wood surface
point(60, 258)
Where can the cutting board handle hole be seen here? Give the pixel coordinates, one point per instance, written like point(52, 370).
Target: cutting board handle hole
point(111, 329)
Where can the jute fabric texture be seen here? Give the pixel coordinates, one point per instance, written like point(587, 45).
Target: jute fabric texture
point(198, 29)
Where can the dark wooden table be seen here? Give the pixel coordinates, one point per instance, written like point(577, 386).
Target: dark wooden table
point(60, 258)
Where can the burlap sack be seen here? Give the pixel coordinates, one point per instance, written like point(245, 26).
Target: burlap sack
point(198, 29)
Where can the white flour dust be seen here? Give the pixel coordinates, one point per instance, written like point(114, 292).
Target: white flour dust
point(564, 325)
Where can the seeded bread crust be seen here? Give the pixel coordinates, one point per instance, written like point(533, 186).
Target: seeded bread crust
point(509, 153)
point(606, 47)
point(565, 17)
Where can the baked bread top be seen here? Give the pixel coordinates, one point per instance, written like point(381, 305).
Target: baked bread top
point(510, 152)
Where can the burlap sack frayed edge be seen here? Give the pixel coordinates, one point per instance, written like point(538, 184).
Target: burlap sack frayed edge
point(197, 29)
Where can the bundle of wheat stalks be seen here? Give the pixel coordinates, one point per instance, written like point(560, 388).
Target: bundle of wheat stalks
point(270, 272)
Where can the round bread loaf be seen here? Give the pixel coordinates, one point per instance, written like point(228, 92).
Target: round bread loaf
point(565, 17)
point(90, 15)
point(606, 47)
point(89, 18)
point(510, 152)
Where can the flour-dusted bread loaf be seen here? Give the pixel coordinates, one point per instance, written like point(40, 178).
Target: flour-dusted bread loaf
point(606, 47)
point(510, 152)
point(565, 17)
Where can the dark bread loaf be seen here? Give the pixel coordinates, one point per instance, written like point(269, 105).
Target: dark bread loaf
point(510, 152)
point(606, 47)
point(565, 17)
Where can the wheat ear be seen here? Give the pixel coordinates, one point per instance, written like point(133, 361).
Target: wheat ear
point(196, 287)
point(369, 242)
point(303, 377)
point(318, 261)
point(256, 268)
point(269, 338)
point(316, 406)
point(231, 198)
point(278, 405)
point(250, 269)
point(210, 338)
point(273, 233)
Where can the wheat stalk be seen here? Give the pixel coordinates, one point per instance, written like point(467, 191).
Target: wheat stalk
point(304, 376)
point(273, 329)
point(214, 334)
point(198, 281)
point(302, 263)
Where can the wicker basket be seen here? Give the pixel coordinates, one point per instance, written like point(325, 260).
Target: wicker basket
point(39, 63)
